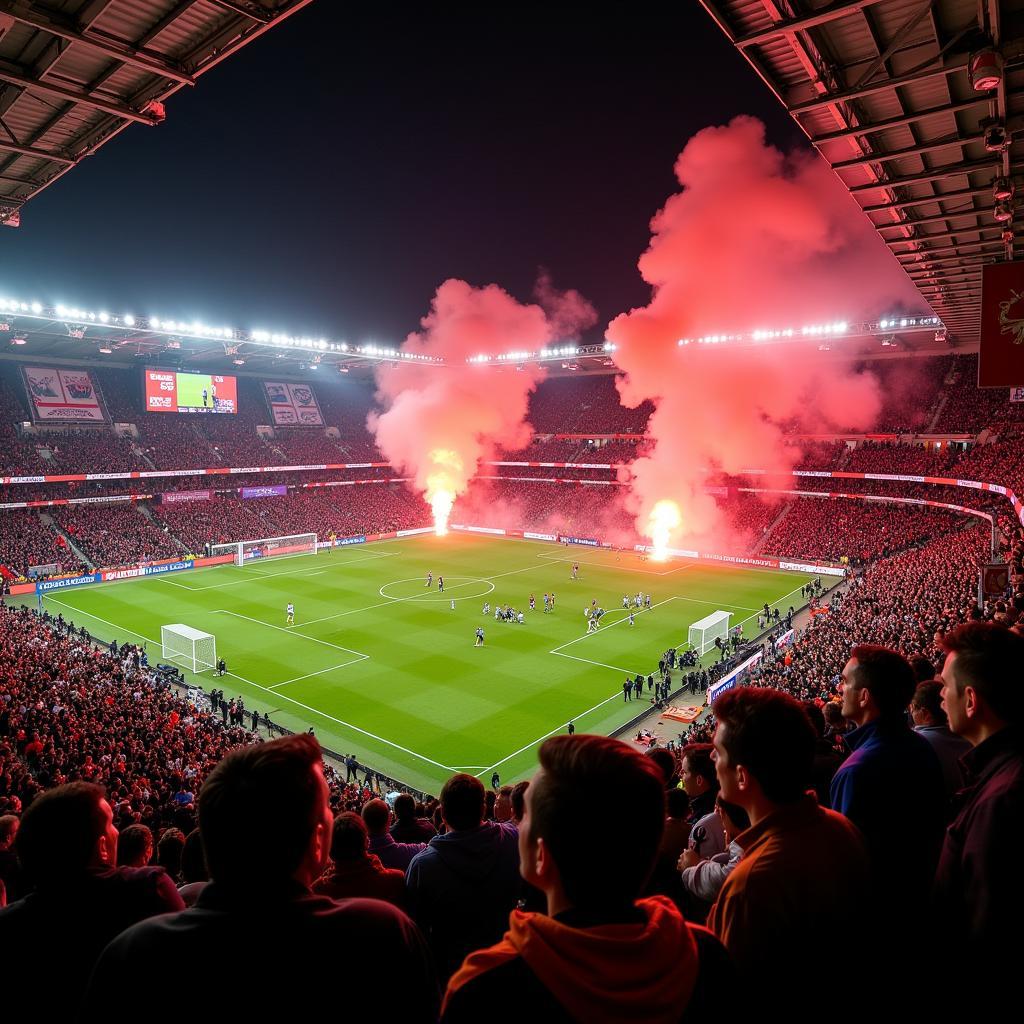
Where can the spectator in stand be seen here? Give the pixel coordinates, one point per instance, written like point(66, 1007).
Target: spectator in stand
point(257, 918)
point(701, 785)
point(376, 815)
point(463, 885)
point(599, 953)
point(803, 877)
point(891, 786)
point(930, 722)
point(408, 828)
point(674, 840)
point(79, 898)
point(194, 875)
point(979, 891)
point(10, 869)
point(703, 878)
point(826, 758)
point(519, 801)
point(135, 846)
point(355, 871)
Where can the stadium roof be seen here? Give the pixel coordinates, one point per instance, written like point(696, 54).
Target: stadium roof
point(75, 73)
point(893, 95)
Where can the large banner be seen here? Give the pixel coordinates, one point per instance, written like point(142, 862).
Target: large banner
point(61, 395)
point(1001, 355)
point(293, 405)
point(275, 491)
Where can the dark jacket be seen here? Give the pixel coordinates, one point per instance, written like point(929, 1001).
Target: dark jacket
point(891, 788)
point(415, 830)
point(279, 935)
point(63, 929)
point(461, 889)
point(979, 887)
point(392, 854)
point(367, 878)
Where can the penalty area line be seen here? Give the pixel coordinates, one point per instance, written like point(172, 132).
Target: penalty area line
point(309, 675)
point(266, 689)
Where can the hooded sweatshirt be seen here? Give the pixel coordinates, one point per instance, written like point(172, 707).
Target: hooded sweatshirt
point(461, 889)
point(644, 968)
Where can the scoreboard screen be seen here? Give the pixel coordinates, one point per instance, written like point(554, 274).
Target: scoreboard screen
point(171, 391)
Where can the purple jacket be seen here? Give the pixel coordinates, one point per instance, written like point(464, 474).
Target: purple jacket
point(392, 854)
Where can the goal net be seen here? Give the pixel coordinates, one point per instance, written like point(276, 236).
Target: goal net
point(188, 647)
point(703, 633)
point(247, 551)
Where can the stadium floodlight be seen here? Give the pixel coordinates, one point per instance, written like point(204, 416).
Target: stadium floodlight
point(704, 631)
point(183, 645)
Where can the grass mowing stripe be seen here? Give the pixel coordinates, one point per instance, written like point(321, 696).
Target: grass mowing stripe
point(423, 684)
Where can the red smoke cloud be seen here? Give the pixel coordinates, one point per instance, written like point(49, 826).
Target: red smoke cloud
point(439, 422)
point(754, 239)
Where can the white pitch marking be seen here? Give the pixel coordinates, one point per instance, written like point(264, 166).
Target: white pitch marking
point(599, 664)
point(290, 632)
point(309, 675)
point(266, 689)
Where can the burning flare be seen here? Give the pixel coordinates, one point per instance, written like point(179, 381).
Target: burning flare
point(664, 518)
point(441, 486)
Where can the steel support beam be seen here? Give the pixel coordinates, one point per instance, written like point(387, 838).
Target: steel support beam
point(899, 154)
point(245, 10)
point(954, 67)
point(903, 204)
point(75, 96)
point(990, 163)
point(941, 218)
point(873, 127)
point(111, 47)
point(41, 154)
point(946, 236)
point(821, 17)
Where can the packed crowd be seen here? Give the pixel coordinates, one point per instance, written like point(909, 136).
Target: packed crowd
point(110, 535)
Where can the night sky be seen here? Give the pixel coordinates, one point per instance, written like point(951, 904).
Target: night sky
point(329, 176)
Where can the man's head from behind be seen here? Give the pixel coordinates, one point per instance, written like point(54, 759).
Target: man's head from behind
point(983, 679)
point(463, 800)
point(405, 808)
point(135, 846)
point(764, 748)
point(66, 831)
point(876, 683)
point(281, 781)
point(580, 777)
point(376, 816)
point(350, 839)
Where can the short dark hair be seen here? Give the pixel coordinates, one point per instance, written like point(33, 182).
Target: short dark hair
point(990, 659)
point(581, 777)
point(815, 716)
point(519, 799)
point(405, 807)
point(193, 860)
point(769, 733)
point(736, 814)
point(249, 785)
point(665, 762)
point(678, 803)
point(928, 697)
point(8, 827)
point(886, 675)
point(349, 838)
point(462, 801)
point(922, 667)
point(133, 841)
point(701, 762)
point(59, 831)
point(376, 815)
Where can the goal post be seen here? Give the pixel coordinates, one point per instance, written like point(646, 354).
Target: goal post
point(248, 551)
point(191, 648)
point(704, 631)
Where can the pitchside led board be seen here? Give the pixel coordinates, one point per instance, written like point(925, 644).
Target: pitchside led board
point(1001, 353)
point(170, 391)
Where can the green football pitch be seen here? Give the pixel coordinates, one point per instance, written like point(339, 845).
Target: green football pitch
point(382, 666)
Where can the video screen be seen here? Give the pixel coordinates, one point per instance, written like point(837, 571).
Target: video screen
point(170, 391)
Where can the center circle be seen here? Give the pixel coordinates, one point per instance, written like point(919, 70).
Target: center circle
point(463, 588)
